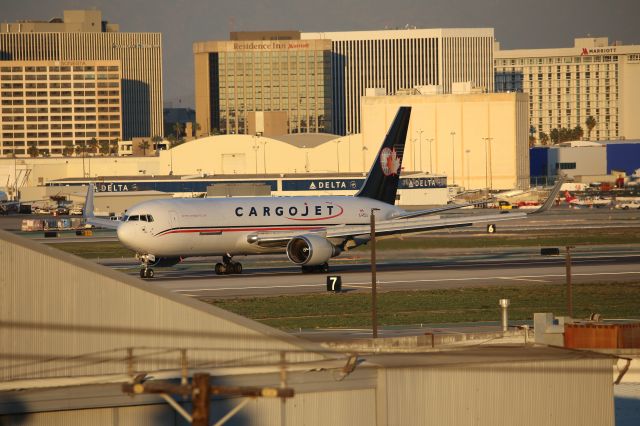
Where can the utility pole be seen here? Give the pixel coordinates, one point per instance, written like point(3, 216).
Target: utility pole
point(569, 289)
point(420, 131)
point(430, 140)
point(374, 308)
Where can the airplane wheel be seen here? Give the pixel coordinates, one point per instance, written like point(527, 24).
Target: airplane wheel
point(237, 268)
point(143, 273)
point(220, 269)
point(149, 273)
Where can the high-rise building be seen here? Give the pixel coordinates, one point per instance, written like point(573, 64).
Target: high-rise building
point(55, 106)
point(566, 86)
point(82, 36)
point(403, 59)
point(275, 72)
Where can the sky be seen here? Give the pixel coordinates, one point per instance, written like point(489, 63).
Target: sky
point(518, 24)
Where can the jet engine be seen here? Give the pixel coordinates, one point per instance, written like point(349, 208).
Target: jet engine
point(165, 262)
point(311, 250)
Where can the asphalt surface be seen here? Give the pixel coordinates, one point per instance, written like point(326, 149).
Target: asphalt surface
point(432, 270)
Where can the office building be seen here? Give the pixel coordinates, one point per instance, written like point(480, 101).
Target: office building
point(276, 73)
point(81, 35)
point(403, 59)
point(567, 85)
point(55, 106)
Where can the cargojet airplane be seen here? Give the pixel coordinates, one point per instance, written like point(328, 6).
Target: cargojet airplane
point(310, 230)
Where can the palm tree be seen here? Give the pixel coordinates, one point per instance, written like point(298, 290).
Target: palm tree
point(544, 138)
point(555, 136)
point(177, 130)
point(33, 150)
point(67, 151)
point(113, 146)
point(156, 141)
point(591, 123)
point(93, 145)
point(532, 141)
point(104, 146)
point(145, 146)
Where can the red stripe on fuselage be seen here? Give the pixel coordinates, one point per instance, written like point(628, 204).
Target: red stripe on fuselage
point(198, 230)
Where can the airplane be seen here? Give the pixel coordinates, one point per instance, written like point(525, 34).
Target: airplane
point(309, 229)
point(586, 202)
point(7, 206)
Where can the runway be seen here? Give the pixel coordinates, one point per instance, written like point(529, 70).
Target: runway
point(446, 271)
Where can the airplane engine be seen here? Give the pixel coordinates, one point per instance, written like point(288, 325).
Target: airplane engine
point(165, 262)
point(311, 250)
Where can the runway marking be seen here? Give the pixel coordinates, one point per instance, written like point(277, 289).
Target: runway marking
point(368, 285)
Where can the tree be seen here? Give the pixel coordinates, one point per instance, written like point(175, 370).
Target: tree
point(105, 145)
point(177, 130)
point(113, 147)
point(532, 141)
point(145, 146)
point(578, 133)
point(591, 123)
point(156, 141)
point(555, 136)
point(33, 150)
point(544, 138)
point(93, 145)
point(67, 151)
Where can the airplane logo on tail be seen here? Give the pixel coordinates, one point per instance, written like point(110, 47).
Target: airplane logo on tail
point(390, 162)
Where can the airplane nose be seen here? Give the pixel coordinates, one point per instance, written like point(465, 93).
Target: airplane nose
point(124, 235)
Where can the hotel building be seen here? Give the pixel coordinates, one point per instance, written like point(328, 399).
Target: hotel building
point(403, 59)
point(275, 72)
point(567, 85)
point(58, 105)
point(82, 36)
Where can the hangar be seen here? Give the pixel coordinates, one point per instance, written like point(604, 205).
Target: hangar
point(72, 332)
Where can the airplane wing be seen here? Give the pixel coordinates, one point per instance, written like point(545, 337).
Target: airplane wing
point(426, 212)
point(397, 226)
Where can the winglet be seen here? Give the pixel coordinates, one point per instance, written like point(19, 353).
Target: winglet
point(88, 204)
point(552, 196)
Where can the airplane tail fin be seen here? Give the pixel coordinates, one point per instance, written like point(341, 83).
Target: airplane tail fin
point(88, 203)
point(384, 176)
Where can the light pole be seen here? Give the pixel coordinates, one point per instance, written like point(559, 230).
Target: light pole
point(338, 154)
point(453, 158)
point(468, 151)
point(264, 155)
point(374, 313)
point(413, 154)
point(487, 163)
point(430, 140)
point(420, 131)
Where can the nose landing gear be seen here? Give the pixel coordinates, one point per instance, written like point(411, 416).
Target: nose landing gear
point(145, 270)
point(228, 266)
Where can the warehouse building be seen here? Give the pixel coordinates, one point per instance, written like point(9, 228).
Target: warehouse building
point(584, 158)
point(75, 331)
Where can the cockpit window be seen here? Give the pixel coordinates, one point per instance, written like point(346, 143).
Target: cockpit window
point(142, 217)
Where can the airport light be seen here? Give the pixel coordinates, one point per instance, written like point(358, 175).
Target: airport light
point(453, 158)
point(264, 155)
point(374, 313)
point(420, 132)
point(413, 153)
point(430, 140)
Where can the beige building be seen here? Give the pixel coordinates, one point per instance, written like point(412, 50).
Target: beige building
point(56, 106)
point(82, 36)
point(234, 78)
point(402, 59)
point(567, 85)
point(476, 140)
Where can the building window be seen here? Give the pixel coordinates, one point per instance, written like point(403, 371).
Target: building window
point(565, 166)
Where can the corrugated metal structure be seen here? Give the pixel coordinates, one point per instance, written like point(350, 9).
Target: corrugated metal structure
point(71, 332)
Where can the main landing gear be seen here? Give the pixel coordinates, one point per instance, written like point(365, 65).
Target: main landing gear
point(315, 268)
point(228, 266)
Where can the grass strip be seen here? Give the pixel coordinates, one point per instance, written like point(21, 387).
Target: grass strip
point(611, 300)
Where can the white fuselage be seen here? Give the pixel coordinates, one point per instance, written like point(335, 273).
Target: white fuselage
point(210, 226)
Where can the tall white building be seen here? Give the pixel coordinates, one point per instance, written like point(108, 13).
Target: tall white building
point(567, 85)
point(403, 59)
